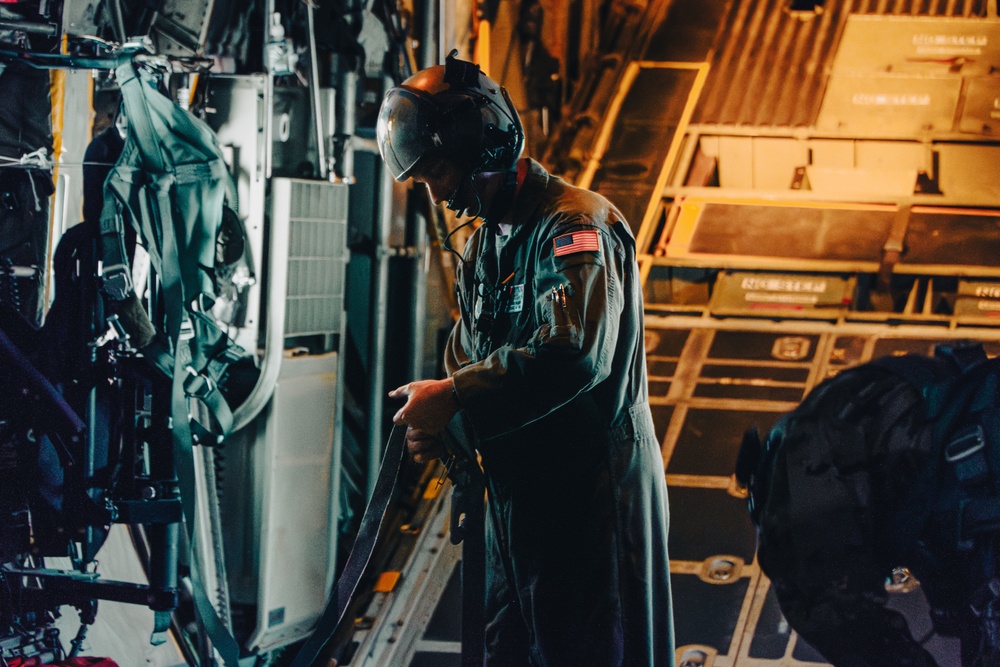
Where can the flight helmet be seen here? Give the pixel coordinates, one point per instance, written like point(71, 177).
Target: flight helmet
point(452, 112)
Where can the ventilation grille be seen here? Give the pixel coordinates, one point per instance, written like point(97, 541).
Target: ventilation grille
point(317, 256)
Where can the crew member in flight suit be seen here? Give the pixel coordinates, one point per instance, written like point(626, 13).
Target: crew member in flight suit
point(547, 384)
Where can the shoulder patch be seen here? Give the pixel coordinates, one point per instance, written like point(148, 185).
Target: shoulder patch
point(587, 240)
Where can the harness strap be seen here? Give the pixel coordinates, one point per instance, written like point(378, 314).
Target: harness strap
point(980, 516)
point(361, 552)
point(161, 228)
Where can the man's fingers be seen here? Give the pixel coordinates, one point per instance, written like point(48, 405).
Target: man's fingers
point(421, 456)
point(421, 441)
point(400, 391)
point(421, 450)
point(423, 446)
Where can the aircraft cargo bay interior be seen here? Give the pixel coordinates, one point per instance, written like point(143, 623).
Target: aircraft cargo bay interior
point(214, 269)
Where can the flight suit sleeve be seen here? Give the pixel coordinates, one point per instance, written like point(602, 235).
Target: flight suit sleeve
point(570, 352)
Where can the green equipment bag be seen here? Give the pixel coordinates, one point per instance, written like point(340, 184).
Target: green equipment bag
point(171, 184)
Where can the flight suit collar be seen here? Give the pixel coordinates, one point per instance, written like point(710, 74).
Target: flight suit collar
point(529, 196)
point(526, 202)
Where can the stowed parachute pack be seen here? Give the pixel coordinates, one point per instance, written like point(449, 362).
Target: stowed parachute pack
point(171, 184)
point(896, 461)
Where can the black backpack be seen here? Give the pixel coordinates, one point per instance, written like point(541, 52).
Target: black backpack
point(914, 445)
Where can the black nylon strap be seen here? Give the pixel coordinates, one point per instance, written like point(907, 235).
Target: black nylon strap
point(469, 495)
point(361, 552)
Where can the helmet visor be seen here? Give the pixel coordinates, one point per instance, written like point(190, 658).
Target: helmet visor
point(403, 131)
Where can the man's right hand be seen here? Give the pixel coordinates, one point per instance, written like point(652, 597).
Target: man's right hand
point(430, 404)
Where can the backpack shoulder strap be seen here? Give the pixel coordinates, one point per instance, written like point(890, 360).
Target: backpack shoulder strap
point(961, 386)
point(963, 354)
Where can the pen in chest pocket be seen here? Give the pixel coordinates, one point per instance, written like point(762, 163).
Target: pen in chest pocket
point(559, 295)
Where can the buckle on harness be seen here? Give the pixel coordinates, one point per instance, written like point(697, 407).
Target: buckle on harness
point(966, 442)
point(116, 282)
point(198, 385)
point(966, 453)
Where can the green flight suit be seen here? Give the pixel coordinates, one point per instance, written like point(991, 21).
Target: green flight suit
point(549, 367)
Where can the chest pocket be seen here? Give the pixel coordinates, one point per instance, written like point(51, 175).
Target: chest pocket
point(501, 315)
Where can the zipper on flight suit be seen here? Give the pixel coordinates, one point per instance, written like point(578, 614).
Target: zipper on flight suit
point(496, 300)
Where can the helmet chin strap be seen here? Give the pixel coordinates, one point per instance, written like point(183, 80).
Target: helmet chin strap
point(499, 206)
point(503, 200)
point(470, 183)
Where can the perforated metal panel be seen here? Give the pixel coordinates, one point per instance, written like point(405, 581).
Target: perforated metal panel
point(317, 255)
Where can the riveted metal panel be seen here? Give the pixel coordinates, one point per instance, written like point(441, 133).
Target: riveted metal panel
point(927, 46)
point(889, 105)
point(981, 109)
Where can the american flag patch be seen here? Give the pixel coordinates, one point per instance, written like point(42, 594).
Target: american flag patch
point(588, 240)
